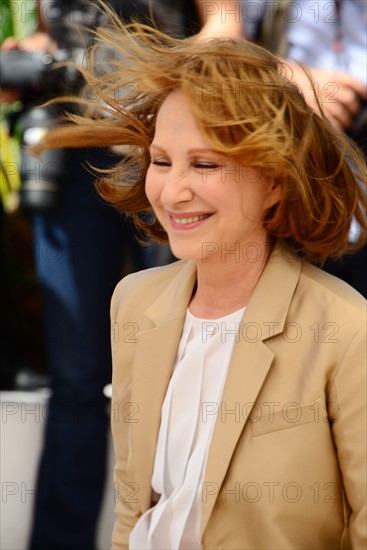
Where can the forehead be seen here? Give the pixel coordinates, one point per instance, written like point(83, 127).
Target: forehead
point(174, 103)
point(175, 119)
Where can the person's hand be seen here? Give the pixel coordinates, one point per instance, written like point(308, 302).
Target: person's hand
point(219, 19)
point(39, 41)
point(339, 94)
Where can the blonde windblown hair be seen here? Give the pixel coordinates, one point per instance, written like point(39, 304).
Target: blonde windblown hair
point(245, 107)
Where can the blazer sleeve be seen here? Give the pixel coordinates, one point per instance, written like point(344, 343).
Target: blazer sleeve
point(123, 413)
point(348, 403)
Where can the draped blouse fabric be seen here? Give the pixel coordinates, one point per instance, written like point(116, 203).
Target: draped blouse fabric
point(188, 416)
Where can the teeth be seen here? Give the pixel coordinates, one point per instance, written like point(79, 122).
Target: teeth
point(192, 219)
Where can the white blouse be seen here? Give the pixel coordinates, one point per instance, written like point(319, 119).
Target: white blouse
point(187, 422)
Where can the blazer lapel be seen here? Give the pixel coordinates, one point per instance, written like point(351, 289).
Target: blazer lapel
point(154, 358)
point(264, 317)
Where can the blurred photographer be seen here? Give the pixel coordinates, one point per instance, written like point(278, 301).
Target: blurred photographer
point(77, 273)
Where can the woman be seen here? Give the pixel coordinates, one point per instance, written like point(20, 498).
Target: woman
point(239, 371)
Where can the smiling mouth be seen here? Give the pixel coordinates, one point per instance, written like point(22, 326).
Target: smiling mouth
point(191, 219)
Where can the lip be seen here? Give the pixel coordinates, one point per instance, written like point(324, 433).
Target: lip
point(187, 226)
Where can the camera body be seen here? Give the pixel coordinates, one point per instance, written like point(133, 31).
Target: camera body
point(39, 76)
point(28, 71)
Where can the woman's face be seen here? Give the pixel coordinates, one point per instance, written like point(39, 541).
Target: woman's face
point(210, 205)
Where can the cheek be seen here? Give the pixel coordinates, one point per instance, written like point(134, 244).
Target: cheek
point(254, 201)
point(151, 187)
point(153, 190)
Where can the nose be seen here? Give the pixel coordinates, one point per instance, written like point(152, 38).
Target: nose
point(177, 187)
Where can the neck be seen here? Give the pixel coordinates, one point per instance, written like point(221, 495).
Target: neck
point(225, 285)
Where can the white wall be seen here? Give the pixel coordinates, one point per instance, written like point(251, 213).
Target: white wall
point(21, 431)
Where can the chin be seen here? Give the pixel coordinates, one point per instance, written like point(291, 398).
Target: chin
point(182, 252)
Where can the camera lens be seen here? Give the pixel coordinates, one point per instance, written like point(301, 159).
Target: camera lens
point(40, 177)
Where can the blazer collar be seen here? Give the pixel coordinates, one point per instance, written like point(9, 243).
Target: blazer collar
point(155, 356)
point(272, 293)
point(173, 302)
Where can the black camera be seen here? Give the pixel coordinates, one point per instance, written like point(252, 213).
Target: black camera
point(39, 76)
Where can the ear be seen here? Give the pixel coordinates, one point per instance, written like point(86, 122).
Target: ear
point(275, 193)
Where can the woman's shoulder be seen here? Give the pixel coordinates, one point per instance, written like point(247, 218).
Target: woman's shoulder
point(332, 292)
point(146, 285)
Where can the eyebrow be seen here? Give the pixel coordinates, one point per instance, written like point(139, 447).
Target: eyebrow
point(194, 150)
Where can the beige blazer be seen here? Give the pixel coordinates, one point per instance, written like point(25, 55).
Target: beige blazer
point(287, 462)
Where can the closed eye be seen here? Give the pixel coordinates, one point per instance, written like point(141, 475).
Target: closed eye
point(206, 165)
point(160, 162)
